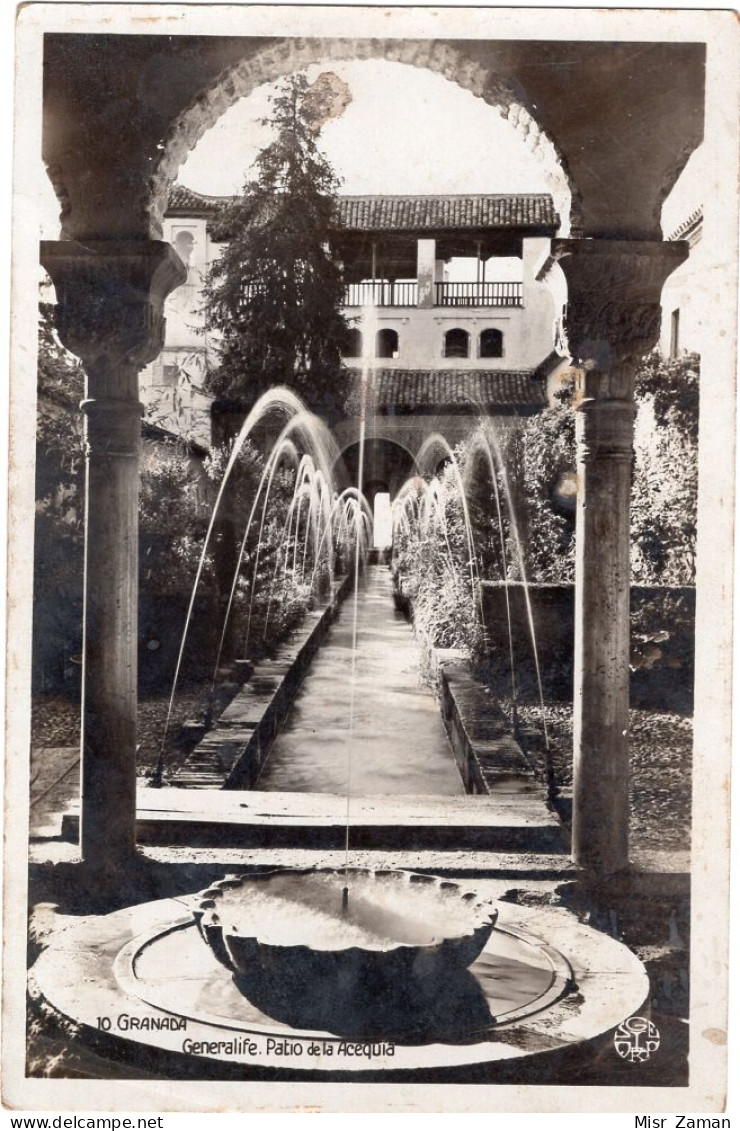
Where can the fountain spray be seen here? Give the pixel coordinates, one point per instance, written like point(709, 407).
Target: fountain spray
point(495, 447)
point(314, 435)
point(369, 337)
point(481, 448)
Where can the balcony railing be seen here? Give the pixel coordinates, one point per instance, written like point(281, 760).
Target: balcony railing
point(382, 293)
point(478, 294)
point(386, 293)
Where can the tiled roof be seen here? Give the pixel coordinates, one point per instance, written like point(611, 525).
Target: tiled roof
point(408, 213)
point(433, 213)
point(182, 199)
point(690, 222)
point(407, 390)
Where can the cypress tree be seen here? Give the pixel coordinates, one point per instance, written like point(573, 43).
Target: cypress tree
point(276, 293)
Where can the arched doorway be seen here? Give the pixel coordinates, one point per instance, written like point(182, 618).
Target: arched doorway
point(386, 467)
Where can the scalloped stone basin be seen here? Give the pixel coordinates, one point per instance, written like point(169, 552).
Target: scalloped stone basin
point(294, 949)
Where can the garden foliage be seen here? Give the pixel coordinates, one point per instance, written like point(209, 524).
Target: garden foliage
point(433, 571)
point(546, 450)
point(536, 471)
point(175, 500)
point(665, 471)
point(281, 567)
point(60, 467)
point(539, 454)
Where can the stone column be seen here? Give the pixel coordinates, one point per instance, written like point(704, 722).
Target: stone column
point(426, 255)
point(110, 296)
point(612, 319)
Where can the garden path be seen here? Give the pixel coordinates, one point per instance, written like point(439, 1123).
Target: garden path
point(399, 744)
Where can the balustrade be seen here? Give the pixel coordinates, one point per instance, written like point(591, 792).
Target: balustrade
point(478, 294)
point(383, 292)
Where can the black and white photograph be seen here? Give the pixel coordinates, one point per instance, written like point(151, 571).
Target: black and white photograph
point(371, 500)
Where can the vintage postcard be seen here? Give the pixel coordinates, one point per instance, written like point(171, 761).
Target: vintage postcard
point(370, 544)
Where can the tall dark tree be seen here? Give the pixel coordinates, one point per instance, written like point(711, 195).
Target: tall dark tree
point(276, 293)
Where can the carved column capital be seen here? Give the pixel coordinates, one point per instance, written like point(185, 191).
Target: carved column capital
point(614, 287)
point(110, 298)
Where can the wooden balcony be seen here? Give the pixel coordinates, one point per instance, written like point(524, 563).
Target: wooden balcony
point(478, 294)
point(384, 293)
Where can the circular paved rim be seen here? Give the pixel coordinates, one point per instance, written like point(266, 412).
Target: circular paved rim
point(86, 974)
point(124, 969)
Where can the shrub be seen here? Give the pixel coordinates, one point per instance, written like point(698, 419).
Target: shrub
point(540, 455)
point(665, 471)
point(548, 455)
point(173, 519)
point(430, 556)
point(432, 567)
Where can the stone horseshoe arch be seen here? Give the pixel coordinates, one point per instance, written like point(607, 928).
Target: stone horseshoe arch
point(290, 55)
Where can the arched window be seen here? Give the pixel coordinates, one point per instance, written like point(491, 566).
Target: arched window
point(492, 343)
point(386, 343)
point(354, 344)
point(457, 343)
point(184, 243)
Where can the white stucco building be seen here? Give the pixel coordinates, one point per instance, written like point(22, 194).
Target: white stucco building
point(459, 317)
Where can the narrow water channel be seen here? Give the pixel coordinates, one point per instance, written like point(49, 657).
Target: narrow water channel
point(399, 744)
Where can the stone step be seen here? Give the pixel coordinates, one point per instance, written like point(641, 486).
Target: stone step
point(653, 873)
point(506, 865)
point(506, 822)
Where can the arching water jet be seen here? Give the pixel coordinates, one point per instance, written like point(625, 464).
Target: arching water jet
point(301, 428)
point(493, 443)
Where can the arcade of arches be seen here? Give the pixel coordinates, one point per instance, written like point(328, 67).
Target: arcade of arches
point(386, 464)
point(120, 115)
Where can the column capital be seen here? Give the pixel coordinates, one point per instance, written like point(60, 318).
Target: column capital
point(614, 286)
point(110, 297)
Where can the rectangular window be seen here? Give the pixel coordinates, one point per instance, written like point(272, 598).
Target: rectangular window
point(382, 521)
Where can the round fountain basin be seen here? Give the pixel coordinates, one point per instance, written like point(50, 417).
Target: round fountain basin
point(177, 1012)
point(294, 936)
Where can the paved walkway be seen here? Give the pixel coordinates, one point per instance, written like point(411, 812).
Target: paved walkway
point(399, 745)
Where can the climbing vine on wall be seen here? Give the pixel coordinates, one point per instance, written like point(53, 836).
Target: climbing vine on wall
point(665, 471)
point(541, 459)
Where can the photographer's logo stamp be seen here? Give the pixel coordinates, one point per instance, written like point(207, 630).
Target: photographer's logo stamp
point(636, 1039)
